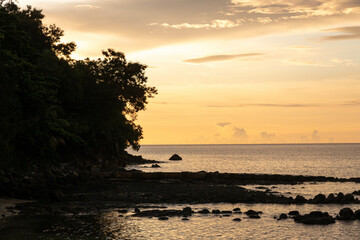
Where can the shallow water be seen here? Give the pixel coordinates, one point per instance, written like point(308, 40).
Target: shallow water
point(112, 225)
point(333, 160)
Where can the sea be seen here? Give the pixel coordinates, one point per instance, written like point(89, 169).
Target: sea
point(332, 160)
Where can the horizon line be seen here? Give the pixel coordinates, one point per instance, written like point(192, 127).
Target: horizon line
point(203, 144)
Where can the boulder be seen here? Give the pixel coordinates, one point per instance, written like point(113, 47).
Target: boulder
point(346, 214)
point(357, 214)
point(293, 213)
point(236, 219)
point(216, 211)
point(175, 157)
point(282, 216)
point(204, 211)
point(315, 218)
point(155, 166)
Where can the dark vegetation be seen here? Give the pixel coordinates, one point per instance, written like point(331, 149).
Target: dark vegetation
point(54, 108)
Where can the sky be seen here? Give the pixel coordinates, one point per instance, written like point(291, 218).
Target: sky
point(231, 71)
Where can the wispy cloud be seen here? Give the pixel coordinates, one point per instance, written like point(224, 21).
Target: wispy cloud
point(214, 24)
point(223, 124)
point(346, 33)
point(214, 58)
point(264, 105)
point(87, 6)
point(305, 62)
point(240, 133)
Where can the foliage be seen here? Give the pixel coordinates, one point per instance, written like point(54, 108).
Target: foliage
point(53, 107)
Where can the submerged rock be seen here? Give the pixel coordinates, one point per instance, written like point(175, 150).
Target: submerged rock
point(282, 216)
point(294, 213)
point(315, 218)
point(346, 214)
point(204, 211)
point(175, 157)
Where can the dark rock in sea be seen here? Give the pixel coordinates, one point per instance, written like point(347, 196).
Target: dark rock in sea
point(137, 210)
point(253, 214)
point(348, 198)
point(226, 215)
point(163, 218)
point(155, 166)
point(299, 199)
point(282, 216)
point(185, 219)
point(175, 157)
point(187, 210)
point(346, 214)
point(331, 198)
point(204, 211)
point(320, 198)
point(226, 212)
point(357, 214)
point(237, 210)
point(356, 192)
point(236, 219)
point(293, 213)
point(122, 211)
point(315, 218)
point(216, 211)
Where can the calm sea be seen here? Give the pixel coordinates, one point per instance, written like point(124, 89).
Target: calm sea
point(340, 160)
point(333, 160)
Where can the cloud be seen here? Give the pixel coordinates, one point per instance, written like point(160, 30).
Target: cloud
point(264, 105)
point(240, 133)
point(215, 24)
point(315, 136)
point(352, 103)
point(348, 33)
point(88, 6)
point(223, 124)
point(265, 136)
point(214, 58)
point(306, 63)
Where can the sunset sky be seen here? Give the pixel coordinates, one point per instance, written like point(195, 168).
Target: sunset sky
point(231, 71)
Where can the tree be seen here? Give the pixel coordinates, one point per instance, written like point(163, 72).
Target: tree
point(53, 107)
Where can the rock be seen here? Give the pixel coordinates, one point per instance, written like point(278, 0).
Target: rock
point(356, 192)
point(122, 211)
point(185, 219)
point(315, 218)
point(187, 210)
point(236, 219)
point(348, 198)
point(252, 214)
point(320, 198)
point(226, 212)
point(299, 199)
point(293, 213)
point(175, 157)
point(346, 214)
point(204, 211)
point(163, 218)
point(136, 210)
point(216, 211)
point(155, 166)
point(357, 214)
point(282, 216)
point(236, 210)
point(331, 198)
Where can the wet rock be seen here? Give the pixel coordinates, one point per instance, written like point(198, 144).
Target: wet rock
point(236, 210)
point(236, 219)
point(357, 214)
point(320, 198)
point(331, 198)
point(315, 218)
point(252, 214)
point(356, 192)
point(226, 212)
point(155, 166)
point(282, 216)
point(346, 214)
point(348, 198)
point(187, 210)
point(204, 211)
point(185, 219)
point(216, 211)
point(294, 213)
point(299, 199)
point(163, 218)
point(175, 157)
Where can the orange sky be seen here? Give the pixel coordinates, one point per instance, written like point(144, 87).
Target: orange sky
point(231, 71)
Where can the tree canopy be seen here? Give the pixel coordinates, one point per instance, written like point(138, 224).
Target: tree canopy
point(53, 107)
